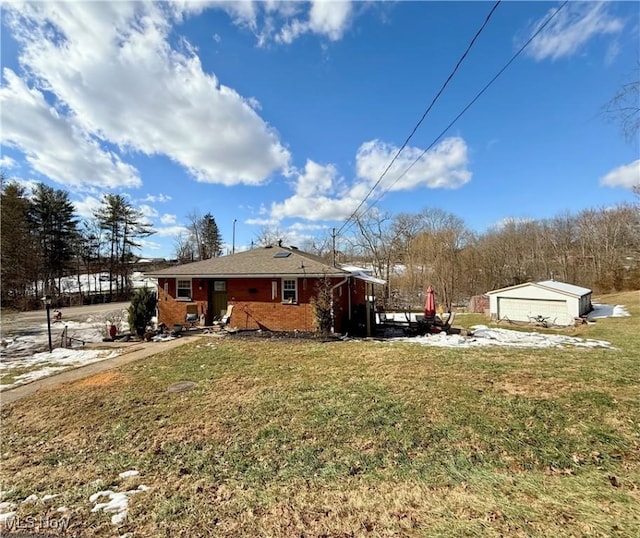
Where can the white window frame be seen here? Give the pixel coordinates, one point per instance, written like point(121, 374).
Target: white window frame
point(286, 290)
point(179, 296)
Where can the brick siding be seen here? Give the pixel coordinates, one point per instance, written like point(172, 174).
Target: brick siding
point(254, 306)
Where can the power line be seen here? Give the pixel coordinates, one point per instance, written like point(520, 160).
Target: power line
point(433, 102)
point(485, 88)
point(454, 121)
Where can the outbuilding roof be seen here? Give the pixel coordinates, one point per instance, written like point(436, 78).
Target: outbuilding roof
point(274, 261)
point(561, 287)
point(571, 289)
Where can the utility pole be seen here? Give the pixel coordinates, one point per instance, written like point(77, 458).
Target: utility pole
point(233, 244)
point(333, 248)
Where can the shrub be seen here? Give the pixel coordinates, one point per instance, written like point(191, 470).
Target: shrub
point(322, 305)
point(142, 310)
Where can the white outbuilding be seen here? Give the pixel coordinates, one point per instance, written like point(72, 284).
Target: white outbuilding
point(554, 302)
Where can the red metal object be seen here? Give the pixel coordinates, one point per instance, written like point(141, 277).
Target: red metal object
point(430, 304)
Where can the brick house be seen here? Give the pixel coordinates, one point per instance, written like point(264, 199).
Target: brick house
point(270, 288)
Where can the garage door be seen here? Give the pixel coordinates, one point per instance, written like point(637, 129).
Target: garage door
point(523, 309)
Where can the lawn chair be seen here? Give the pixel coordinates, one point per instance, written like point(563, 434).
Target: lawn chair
point(177, 330)
point(449, 323)
point(224, 320)
point(191, 316)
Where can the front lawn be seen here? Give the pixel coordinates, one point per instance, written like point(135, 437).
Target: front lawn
point(290, 438)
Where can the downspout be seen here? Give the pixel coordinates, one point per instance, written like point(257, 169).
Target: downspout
point(367, 304)
point(333, 317)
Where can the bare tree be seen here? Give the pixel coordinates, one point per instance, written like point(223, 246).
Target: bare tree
point(377, 241)
point(183, 248)
point(272, 235)
point(624, 106)
point(194, 225)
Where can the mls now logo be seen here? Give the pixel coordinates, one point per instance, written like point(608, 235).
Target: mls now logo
point(34, 523)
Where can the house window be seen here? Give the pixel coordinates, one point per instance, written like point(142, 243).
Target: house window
point(289, 290)
point(220, 285)
point(184, 289)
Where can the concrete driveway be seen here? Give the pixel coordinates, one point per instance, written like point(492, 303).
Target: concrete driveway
point(15, 322)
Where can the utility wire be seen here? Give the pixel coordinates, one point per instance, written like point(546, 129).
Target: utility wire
point(478, 95)
point(433, 102)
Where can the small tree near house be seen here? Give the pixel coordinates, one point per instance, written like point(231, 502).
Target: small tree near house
point(322, 305)
point(142, 310)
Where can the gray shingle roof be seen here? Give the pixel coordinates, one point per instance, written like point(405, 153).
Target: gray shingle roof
point(257, 262)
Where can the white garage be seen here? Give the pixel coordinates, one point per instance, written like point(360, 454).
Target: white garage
point(556, 302)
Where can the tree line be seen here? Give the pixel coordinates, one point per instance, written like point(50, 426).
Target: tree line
point(595, 248)
point(202, 239)
point(43, 240)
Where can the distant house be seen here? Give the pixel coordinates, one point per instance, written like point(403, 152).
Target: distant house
point(270, 288)
point(558, 302)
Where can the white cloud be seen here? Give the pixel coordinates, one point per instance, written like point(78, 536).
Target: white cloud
point(319, 194)
point(282, 22)
point(148, 211)
point(300, 226)
point(261, 222)
point(170, 231)
point(110, 64)
point(168, 218)
point(87, 206)
point(510, 222)
point(328, 19)
point(571, 29)
point(7, 162)
point(627, 176)
point(444, 166)
point(27, 184)
point(312, 199)
point(153, 198)
point(146, 245)
point(54, 145)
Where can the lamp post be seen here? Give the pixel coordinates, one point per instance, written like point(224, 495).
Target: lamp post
point(233, 244)
point(47, 302)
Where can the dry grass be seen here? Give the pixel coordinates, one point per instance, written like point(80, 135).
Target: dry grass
point(295, 438)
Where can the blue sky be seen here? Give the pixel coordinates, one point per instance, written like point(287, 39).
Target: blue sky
point(284, 115)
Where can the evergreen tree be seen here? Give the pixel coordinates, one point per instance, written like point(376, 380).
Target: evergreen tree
point(211, 238)
point(54, 226)
point(17, 252)
point(142, 310)
point(122, 225)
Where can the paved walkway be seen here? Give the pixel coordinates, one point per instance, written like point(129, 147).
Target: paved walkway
point(134, 352)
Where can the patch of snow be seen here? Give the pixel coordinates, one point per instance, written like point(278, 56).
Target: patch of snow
point(45, 364)
point(118, 502)
point(46, 498)
point(99, 494)
point(484, 336)
point(119, 517)
point(127, 474)
point(7, 512)
point(6, 506)
point(608, 311)
point(31, 499)
point(6, 517)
